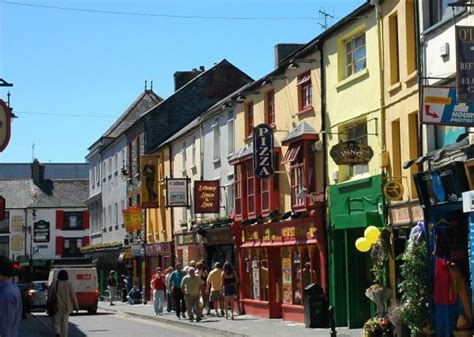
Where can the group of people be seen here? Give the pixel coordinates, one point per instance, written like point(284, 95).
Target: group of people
point(192, 289)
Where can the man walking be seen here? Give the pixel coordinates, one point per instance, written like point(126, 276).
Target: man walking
point(112, 287)
point(214, 288)
point(175, 286)
point(10, 300)
point(191, 286)
point(158, 285)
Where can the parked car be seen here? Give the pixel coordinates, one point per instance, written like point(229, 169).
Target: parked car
point(24, 289)
point(38, 294)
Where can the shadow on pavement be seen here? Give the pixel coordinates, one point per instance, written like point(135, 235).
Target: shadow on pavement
point(96, 314)
point(75, 331)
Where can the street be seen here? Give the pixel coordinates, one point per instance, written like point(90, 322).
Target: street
point(102, 324)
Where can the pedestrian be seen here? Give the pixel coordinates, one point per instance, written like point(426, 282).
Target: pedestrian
point(158, 286)
point(61, 289)
point(176, 291)
point(191, 287)
point(123, 287)
point(112, 287)
point(229, 283)
point(169, 297)
point(202, 273)
point(214, 288)
point(10, 300)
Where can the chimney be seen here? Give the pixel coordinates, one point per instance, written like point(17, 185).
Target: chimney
point(283, 50)
point(37, 172)
point(181, 78)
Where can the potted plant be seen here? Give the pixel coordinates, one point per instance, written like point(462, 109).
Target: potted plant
point(378, 327)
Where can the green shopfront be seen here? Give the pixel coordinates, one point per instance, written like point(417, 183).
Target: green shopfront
point(353, 205)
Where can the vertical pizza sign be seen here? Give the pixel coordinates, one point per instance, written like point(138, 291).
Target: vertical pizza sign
point(5, 123)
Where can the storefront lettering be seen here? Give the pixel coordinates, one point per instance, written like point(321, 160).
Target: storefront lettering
point(206, 194)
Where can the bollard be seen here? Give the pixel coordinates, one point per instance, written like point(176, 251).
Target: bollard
point(332, 322)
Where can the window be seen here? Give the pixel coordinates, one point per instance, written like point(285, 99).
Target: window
point(296, 271)
point(72, 246)
point(123, 158)
point(96, 173)
point(297, 182)
point(249, 119)
point(110, 216)
point(270, 118)
point(110, 168)
point(216, 139)
point(238, 189)
point(305, 91)
point(193, 153)
point(5, 224)
point(411, 36)
point(183, 157)
point(73, 220)
point(130, 166)
point(269, 191)
point(230, 199)
point(231, 136)
point(250, 188)
point(4, 246)
point(115, 163)
point(116, 214)
point(104, 217)
point(396, 150)
point(358, 132)
point(91, 177)
point(439, 10)
point(104, 170)
point(393, 49)
point(138, 155)
point(355, 55)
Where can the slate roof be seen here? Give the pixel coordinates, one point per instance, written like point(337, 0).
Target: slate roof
point(52, 170)
point(56, 193)
point(303, 128)
point(146, 101)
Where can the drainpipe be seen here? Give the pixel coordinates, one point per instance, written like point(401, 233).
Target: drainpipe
point(381, 50)
point(201, 147)
point(170, 153)
point(419, 60)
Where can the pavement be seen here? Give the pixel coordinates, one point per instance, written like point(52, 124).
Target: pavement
point(242, 326)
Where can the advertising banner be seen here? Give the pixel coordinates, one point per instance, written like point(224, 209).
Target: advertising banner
point(441, 107)
point(149, 181)
point(264, 164)
point(465, 63)
point(177, 192)
point(206, 196)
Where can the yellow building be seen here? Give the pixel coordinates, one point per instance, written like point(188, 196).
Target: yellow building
point(354, 134)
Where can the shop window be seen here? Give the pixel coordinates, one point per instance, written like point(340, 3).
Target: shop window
point(255, 277)
point(307, 272)
point(249, 119)
point(270, 108)
point(73, 220)
point(247, 278)
point(5, 224)
point(287, 278)
point(264, 293)
point(296, 275)
point(305, 91)
point(355, 51)
point(72, 246)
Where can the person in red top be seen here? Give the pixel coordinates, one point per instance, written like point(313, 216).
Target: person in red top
point(158, 285)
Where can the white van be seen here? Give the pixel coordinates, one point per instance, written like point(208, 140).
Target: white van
point(85, 283)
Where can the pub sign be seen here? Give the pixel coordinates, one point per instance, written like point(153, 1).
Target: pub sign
point(206, 196)
point(351, 153)
point(41, 231)
point(264, 164)
point(465, 64)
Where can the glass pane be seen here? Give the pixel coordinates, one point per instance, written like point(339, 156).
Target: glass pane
point(349, 58)
point(359, 65)
point(359, 41)
point(264, 279)
point(298, 297)
point(359, 53)
point(348, 47)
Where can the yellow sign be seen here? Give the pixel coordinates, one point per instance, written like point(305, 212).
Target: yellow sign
point(149, 181)
point(132, 219)
point(288, 232)
point(17, 223)
point(393, 190)
point(16, 243)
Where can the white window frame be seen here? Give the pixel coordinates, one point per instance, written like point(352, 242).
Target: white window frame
point(183, 158)
point(351, 65)
point(216, 154)
point(231, 137)
point(193, 153)
point(116, 163)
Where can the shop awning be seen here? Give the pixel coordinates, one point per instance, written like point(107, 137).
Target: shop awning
point(247, 151)
point(247, 244)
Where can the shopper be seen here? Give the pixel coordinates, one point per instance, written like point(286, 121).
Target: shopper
point(214, 289)
point(202, 274)
point(158, 286)
point(191, 287)
point(169, 297)
point(10, 300)
point(229, 284)
point(112, 287)
point(175, 285)
point(63, 293)
point(123, 287)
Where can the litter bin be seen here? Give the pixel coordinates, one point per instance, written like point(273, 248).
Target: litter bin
point(315, 307)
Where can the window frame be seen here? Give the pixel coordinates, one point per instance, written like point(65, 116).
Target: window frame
point(78, 247)
point(355, 170)
point(249, 119)
point(238, 191)
point(216, 151)
point(305, 91)
point(270, 108)
point(352, 51)
point(67, 220)
point(231, 136)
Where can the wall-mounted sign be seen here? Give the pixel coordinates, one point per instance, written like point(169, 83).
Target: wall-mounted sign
point(186, 239)
point(41, 231)
point(351, 153)
point(177, 192)
point(441, 107)
point(149, 181)
point(136, 218)
point(206, 196)
point(464, 64)
point(5, 124)
point(17, 223)
point(393, 190)
point(264, 164)
point(16, 243)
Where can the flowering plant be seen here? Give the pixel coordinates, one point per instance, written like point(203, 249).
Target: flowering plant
point(376, 326)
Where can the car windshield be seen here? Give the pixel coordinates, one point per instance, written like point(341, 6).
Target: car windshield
point(39, 285)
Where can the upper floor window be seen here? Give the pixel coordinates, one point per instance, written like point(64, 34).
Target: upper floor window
point(249, 119)
point(216, 140)
point(123, 159)
point(238, 189)
point(138, 155)
point(231, 135)
point(439, 10)
point(130, 156)
point(250, 187)
point(358, 132)
point(104, 170)
point(270, 118)
point(305, 91)
point(110, 167)
point(193, 153)
point(116, 163)
point(5, 224)
point(355, 54)
point(183, 157)
point(73, 220)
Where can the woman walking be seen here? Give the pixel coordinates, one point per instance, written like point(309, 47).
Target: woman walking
point(229, 281)
point(66, 302)
point(202, 273)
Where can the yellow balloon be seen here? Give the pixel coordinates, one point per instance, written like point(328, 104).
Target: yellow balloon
point(362, 245)
point(372, 234)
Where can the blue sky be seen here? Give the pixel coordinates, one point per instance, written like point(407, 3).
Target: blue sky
point(81, 63)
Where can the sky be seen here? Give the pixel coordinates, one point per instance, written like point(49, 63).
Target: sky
point(75, 72)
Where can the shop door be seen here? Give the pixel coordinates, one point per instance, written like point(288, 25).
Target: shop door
point(275, 282)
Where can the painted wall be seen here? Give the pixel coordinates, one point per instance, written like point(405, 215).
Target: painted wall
point(355, 98)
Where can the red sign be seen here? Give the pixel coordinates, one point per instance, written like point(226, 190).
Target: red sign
point(2, 208)
point(5, 123)
point(83, 277)
point(206, 196)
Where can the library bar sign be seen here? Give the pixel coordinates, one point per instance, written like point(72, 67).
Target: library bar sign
point(465, 63)
point(263, 151)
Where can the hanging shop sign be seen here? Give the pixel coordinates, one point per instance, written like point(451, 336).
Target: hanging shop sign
point(132, 219)
point(351, 153)
point(264, 164)
point(149, 181)
point(464, 63)
point(126, 219)
point(5, 124)
point(41, 231)
point(393, 190)
point(177, 192)
point(441, 107)
point(206, 196)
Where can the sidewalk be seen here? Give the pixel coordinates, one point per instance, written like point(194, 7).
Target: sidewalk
point(242, 326)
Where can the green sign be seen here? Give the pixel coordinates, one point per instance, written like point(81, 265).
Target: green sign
point(24, 260)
